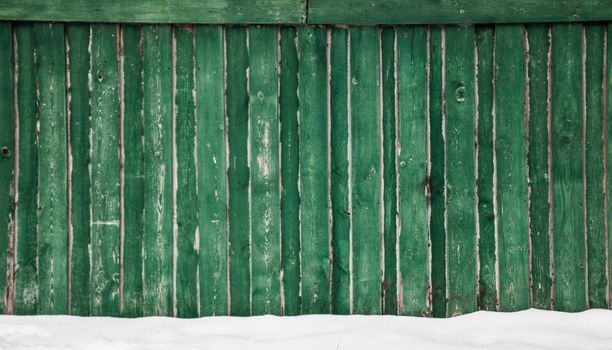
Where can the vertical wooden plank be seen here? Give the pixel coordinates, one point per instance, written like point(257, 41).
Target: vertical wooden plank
point(264, 143)
point(460, 181)
point(436, 176)
point(105, 195)
point(158, 235)
point(237, 56)
point(487, 276)
point(340, 167)
point(133, 169)
point(539, 177)
point(365, 132)
point(388, 52)
point(290, 197)
point(594, 171)
point(210, 122)
point(186, 185)
point(52, 162)
point(608, 150)
point(511, 153)
point(312, 87)
point(412, 171)
point(26, 267)
point(79, 110)
point(7, 160)
point(567, 128)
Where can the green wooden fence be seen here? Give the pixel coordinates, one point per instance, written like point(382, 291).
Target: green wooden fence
point(215, 169)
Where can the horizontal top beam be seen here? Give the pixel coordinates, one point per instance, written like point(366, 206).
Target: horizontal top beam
point(358, 12)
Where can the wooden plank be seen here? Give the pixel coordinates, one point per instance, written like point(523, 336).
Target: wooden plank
point(185, 164)
point(264, 163)
point(608, 145)
point(538, 162)
point(312, 87)
point(567, 143)
point(389, 100)
point(366, 176)
point(595, 166)
point(105, 191)
point(133, 169)
point(238, 171)
point(79, 110)
point(211, 150)
point(26, 267)
point(412, 171)
point(436, 176)
point(487, 258)
point(7, 160)
point(290, 197)
point(463, 11)
point(460, 180)
point(511, 162)
point(158, 235)
point(156, 11)
point(340, 167)
point(52, 161)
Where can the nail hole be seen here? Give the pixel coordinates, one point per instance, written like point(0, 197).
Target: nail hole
point(5, 151)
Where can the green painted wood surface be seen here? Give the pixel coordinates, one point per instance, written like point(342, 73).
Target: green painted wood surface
point(340, 168)
point(487, 243)
point(389, 100)
point(264, 164)
point(158, 148)
point(595, 166)
point(156, 11)
point(238, 171)
point(79, 110)
point(6, 157)
point(290, 197)
point(437, 228)
point(413, 186)
point(211, 172)
point(538, 163)
point(608, 147)
point(511, 162)
point(26, 248)
point(460, 173)
point(185, 177)
point(366, 169)
point(463, 11)
point(567, 148)
point(52, 186)
point(313, 138)
point(133, 170)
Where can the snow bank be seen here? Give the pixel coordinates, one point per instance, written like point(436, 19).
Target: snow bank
point(531, 329)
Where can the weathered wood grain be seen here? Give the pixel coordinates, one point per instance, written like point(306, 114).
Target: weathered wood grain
point(156, 11)
point(460, 179)
point(340, 167)
point(567, 146)
point(238, 171)
point(437, 107)
point(462, 11)
point(366, 170)
point(511, 162)
point(26, 267)
point(52, 163)
point(413, 186)
point(212, 166)
point(538, 162)
point(313, 138)
point(594, 162)
point(608, 148)
point(158, 235)
point(487, 257)
point(186, 178)
point(290, 197)
point(133, 170)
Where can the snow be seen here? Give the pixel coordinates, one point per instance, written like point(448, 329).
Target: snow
point(530, 329)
